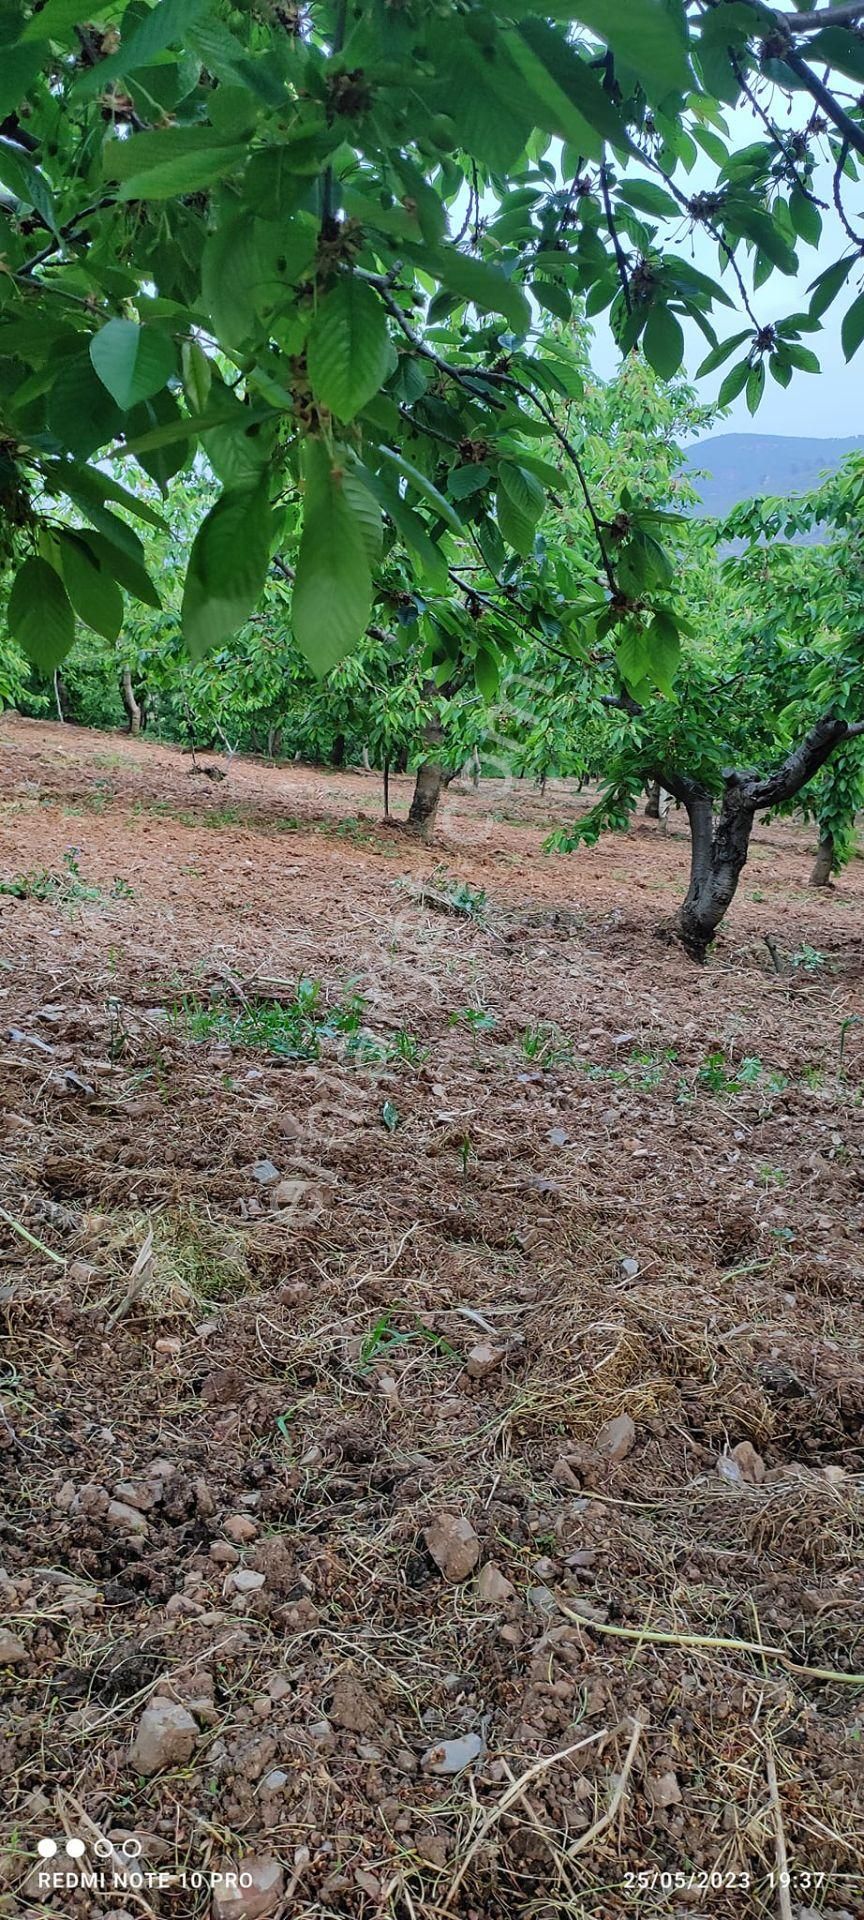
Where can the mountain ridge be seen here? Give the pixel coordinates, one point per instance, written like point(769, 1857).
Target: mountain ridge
point(727, 468)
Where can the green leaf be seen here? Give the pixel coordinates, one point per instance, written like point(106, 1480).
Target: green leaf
point(826, 286)
point(57, 20)
point(162, 462)
point(20, 66)
point(517, 528)
point(565, 96)
point(162, 27)
point(333, 587)
point(227, 568)
point(525, 493)
point(734, 383)
point(839, 49)
point(159, 166)
point(721, 352)
point(87, 484)
point(417, 479)
point(348, 349)
point(664, 642)
point(40, 615)
point(132, 362)
point(93, 591)
point(124, 568)
point(555, 298)
point(852, 329)
point(663, 342)
point(81, 414)
point(486, 673)
point(755, 386)
point(463, 481)
point(27, 182)
point(411, 528)
point(484, 285)
point(806, 218)
point(647, 36)
point(649, 198)
point(197, 375)
point(633, 657)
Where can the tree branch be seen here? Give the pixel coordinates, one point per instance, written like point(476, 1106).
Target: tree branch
point(838, 116)
point(842, 16)
point(799, 766)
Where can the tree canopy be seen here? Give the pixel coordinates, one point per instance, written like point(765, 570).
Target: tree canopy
point(332, 252)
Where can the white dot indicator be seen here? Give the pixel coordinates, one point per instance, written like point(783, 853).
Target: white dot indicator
point(47, 1849)
point(76, 1849)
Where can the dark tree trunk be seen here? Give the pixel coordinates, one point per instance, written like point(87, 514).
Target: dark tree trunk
point(428, 788)
point(718, 856)
point(719, 848)
point(823, 865)
point(338, 751)
point(133, 709)
point(274, 742)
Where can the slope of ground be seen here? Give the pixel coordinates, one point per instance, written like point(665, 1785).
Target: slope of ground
point(460, 1347)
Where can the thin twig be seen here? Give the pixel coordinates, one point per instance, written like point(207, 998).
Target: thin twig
point(593, 1833)
point(507, 1799)
point(784, 1903)
point(58, 1258)
point(655, 1636)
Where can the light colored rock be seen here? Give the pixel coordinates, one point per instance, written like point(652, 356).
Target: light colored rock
point(453, 1544)
point(265, 1172)
point(240, 1529)
point(616, 1437)
point(165, 1737)
point(493, 1587)
point(224, 1554)
point(663, 1790)
point(482, 1359)
point(11, 1649)
point(750, 1462)
point(126, 1519)
point(250, 1890)
point(245, 1580)
point(275, 1780)
point(563, 1476)
point(451, 1756)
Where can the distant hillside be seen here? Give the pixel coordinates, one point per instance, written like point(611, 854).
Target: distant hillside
point(736, 466)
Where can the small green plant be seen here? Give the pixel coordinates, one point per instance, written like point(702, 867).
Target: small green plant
point(458, 896)
point(64, 889)
point(384, 1338)
point(809, 959)
point(476, 1019)
point(773, 1176)
point(545, 1046)
point(719, 1075)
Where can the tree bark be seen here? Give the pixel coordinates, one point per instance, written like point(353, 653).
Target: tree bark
point(719, 849)
point(428, 788)
point(129, 701)
point(652, 804)
point(823, 865)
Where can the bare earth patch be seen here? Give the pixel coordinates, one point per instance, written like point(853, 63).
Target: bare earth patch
point(432, 1399)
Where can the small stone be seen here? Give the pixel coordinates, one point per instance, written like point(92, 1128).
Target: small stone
point(542, 1600)
point(275, 1780)
point(482, 1359)
point(241, 1529)
point(628, 1267)
point(493, 1587)
point(224, 1554)
point(728, 1469)
point(126, 1519)
point(750, 1462)
point(136, 1493)
point(353, 1706)
point(664, 1791)
point(616, 1437)
point(451, 1756)
point(165, 1738)
point(245, 1580)
point(261, 1895)
point(511, 1636)
point(434, 1848)
point(563, 1476)
point(453, 1544)
point(265, 1173)
point(11, 1649)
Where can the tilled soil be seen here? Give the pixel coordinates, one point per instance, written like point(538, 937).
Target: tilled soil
point(458, 1366)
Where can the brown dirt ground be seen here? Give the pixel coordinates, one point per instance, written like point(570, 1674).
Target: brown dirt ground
point(292, 1354)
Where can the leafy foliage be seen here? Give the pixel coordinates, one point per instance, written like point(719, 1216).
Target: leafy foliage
point(312, 250)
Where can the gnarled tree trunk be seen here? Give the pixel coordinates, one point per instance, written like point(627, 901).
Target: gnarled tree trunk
point(823, 865)
point(719, 845)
